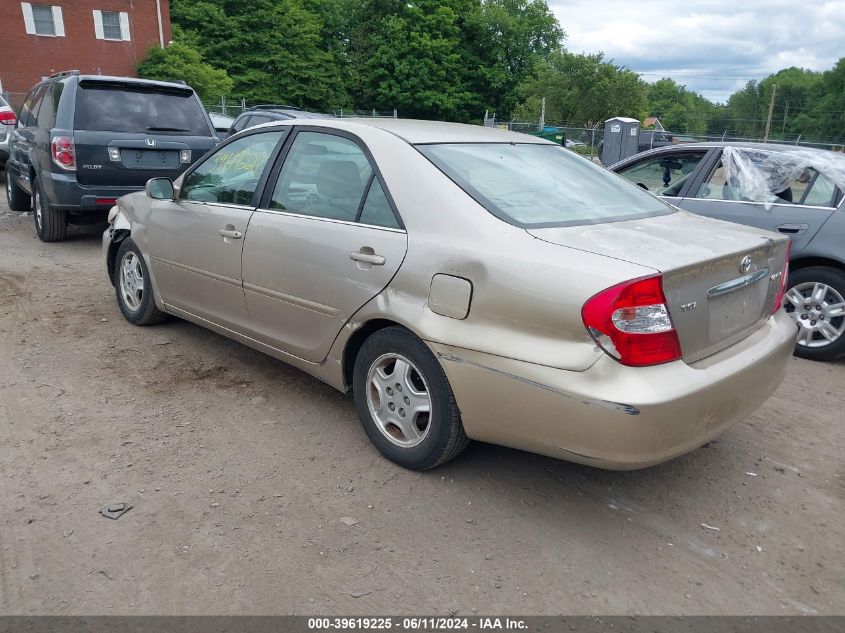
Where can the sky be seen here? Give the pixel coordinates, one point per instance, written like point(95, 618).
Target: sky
point(714, 47)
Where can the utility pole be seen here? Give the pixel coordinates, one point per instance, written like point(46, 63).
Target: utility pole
point(542, 116)
point(771, 109)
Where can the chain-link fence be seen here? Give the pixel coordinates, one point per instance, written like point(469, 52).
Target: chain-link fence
point(588, 140)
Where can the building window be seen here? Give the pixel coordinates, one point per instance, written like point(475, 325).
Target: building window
point(43, 19)
point(111, 25)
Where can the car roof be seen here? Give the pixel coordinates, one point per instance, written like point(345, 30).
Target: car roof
point(290, 113)
point(416, 131)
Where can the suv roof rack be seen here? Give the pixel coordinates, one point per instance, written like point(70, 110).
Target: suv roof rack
point(271, 106)
point(64, 73)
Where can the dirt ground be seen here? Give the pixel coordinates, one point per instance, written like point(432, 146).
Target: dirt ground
point(240, 469)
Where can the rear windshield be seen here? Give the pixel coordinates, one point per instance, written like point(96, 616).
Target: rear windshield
point(534, 185)
point(2, 101)
point(131, 109)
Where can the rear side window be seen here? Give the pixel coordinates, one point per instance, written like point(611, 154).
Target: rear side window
point(324, 176)
point(532, 185)
point(126, 108)
point(240, 123)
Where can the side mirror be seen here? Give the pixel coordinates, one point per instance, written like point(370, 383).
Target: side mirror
point(160, 189)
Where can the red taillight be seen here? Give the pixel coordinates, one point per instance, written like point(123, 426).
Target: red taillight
point(64, 152)
point(783, 278)
point(8, 118)
point(631, 323)
point(105, 200)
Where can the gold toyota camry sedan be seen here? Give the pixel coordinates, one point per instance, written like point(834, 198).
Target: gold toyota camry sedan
point(465, 283)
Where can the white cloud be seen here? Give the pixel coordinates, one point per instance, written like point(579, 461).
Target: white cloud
point(712, 46)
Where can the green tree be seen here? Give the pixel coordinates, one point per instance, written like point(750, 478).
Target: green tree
point(274, 50)
point(410, 57)
point(505, 41)
point(582, 89)
point(181, 62)
point(678, 109)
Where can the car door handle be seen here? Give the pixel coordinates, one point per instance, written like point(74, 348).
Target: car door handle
point(235, 235)
point(367, 258)
point(792, 228)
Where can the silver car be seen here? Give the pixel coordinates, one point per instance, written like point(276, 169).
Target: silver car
point(796, 191)
point(465, 282)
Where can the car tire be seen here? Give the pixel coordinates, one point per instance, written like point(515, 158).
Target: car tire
point(821, 332)
point(133, 287)
point(50, 223)
point(18, 199)
point(394, 370)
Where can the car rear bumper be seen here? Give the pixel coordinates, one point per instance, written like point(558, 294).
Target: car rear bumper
point(613, 416)
point(64, 192)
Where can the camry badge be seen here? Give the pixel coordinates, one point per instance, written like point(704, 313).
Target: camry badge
point(745, 264)
point(151, 142)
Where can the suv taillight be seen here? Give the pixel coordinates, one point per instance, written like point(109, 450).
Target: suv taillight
point(783, 278)
point(64, 152)
point(631, 323)
point(8, 118)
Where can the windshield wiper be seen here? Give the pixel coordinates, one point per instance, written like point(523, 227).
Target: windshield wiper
point(166, 129)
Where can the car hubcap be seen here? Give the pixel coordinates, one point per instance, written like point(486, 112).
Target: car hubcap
point(399, 400)
point(8, 187)
point(131, 281)
point(819, 311)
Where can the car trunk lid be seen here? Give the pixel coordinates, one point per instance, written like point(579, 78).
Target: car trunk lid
point(720, 279)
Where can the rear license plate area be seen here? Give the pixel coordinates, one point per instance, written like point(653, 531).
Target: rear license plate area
point(735, 311)
point(149, 159)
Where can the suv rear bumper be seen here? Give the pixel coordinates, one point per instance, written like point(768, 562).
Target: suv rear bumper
point(64, 192)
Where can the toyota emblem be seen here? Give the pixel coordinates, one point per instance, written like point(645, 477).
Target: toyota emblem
point(745, 264)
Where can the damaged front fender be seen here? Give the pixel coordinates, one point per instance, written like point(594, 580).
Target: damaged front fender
point(119, 228)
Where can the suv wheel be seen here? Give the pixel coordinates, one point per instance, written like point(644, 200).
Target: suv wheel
point(404, 401)
point(50, 223)
point(18, 199)
point(816, 301)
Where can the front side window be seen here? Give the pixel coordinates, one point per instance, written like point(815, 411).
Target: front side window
point(323, 175)
point(111, 25)
point(29, 111)
point(231, 175)
point(663, 175)
point(534, 185)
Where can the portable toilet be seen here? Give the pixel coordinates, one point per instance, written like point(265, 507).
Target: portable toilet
point(621, 138)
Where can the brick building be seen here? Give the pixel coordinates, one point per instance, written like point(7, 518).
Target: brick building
point(108, 37)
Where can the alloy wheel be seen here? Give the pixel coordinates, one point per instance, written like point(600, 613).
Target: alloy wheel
point(399, 400)
point(131, 281)
point(819, 311)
